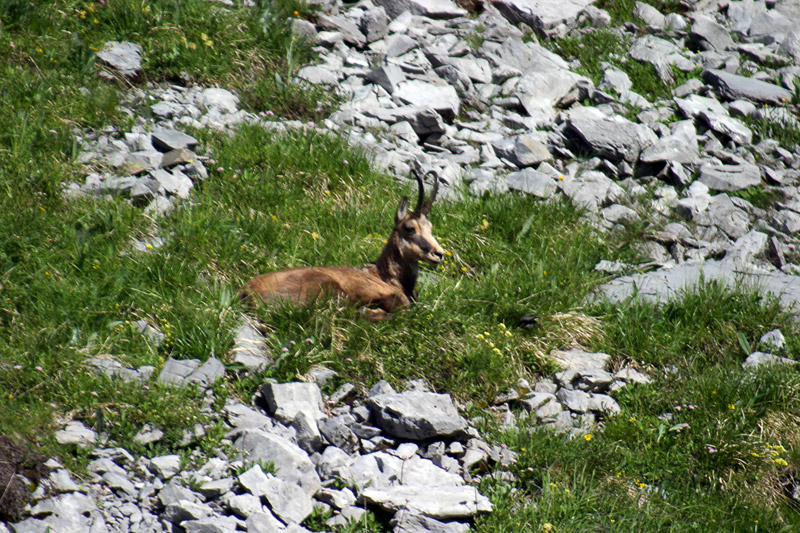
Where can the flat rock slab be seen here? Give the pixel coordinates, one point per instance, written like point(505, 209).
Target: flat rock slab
point(124, 57)
point(416, 415)
point(441, 97)
point(435, 9)
point(250, 349)
point(167, 140)
point(291, 463)
point(76, 432)
point(663, 285)
point(736, 87)
point(532, 182)
point(729, 177)
point(615, 139)
point(441, 503)
point(541, 15)
point(286, 400)
point(580, 360)
point(757, 359)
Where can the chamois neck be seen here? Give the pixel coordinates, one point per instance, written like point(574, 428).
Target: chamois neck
point(393, 268)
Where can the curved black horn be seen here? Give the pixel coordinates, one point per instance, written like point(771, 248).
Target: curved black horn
point(427, 207)
point(421, 195)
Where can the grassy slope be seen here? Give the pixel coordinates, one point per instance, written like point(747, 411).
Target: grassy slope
point(70, 286)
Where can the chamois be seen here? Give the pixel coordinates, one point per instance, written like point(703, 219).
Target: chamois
point(382, 286)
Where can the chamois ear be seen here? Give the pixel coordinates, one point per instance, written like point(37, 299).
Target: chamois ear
point(402, 210)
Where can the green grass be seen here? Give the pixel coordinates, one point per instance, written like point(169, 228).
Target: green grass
point(716, 463)
point(71, 286)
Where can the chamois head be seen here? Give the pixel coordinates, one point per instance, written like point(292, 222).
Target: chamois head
point(413, 231)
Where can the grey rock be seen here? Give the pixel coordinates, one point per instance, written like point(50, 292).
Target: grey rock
point(318, 75)
point(747, 247)
point(374, 24)
point(574, 400)
point(591, 190)
point(730, 127)
point(181, 510)
point(336, 431)
point(308, 435)
point(241, 416)
point(522, 150)
point(173, 492)
point(631, 375)
point(304, 30)
point(616, 139)
point(544, 17)
point(729, 177)
point(787, 221)
point(216, 488)
point(62, 481)
point(773, 339)
point(723, 215)
point(661, 54)
point(436, 502)
point(619, 214)
point(388, 77)
point(338, 499)
point(114, 369)
point(405, 521)
point(167, 140)
point(532, 182)
point(709, 35)
point(399, 44)
point(663, 285)
point(671, 149)
point(439, 96)
point(344, 25)
point(734, 87)
point(250, 348)
point(334, 463)
point(287, 500)
point(675, 22)
point(757, 359)
point(649, 15)
point(435, 9)
point(602, 403)
point(75, 432)
point(176, 371)
point(416, 415)
point(285, 400)
point(424, 119)
point(221, 99)
point(165, 466)
point(244, 505)
point(123, 57)
point(381, 469)
point(578, 359)
point(207, 373)
point(119, 482)
point(211, 524)
point(264, 522)
point(148, 434)
point(694, 104)
point(544, 84)
point(292, 463)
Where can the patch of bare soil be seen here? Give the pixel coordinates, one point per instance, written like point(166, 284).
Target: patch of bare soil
point(14, 491)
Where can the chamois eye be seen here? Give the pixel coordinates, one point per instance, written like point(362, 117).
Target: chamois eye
point(408, 228)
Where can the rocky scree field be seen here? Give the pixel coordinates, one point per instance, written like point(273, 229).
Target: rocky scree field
point(627, 172)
